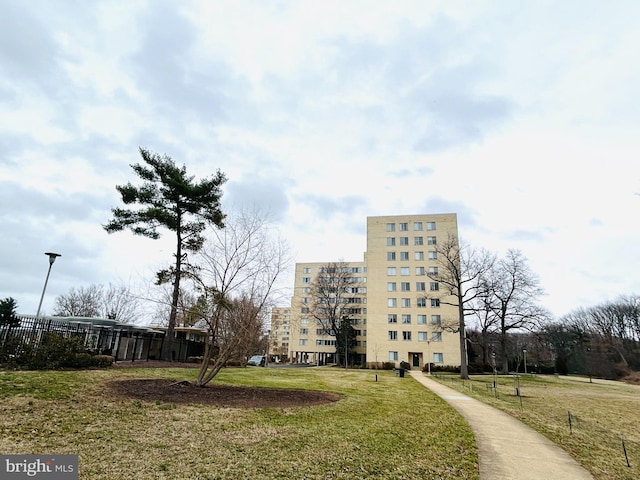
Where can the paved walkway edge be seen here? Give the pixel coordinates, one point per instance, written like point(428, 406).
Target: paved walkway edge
point(507, 448)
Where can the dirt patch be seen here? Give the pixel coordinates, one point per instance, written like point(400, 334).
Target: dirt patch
point(170, 391)
point(153, 364)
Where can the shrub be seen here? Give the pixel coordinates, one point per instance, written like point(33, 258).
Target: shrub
point(83, 360)
point(445, 368)
point(102, 361)
point(14, 354)
point(56, 352)
point(480, 367)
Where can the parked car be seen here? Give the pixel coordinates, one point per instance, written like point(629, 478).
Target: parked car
point(257, 361)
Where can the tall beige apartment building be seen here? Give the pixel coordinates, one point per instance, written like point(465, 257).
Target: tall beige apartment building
point(279, 332)
point(395, 304)
point(311, 342)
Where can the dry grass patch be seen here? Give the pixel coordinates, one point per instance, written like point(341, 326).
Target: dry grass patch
point(601, 412)
point(390, 429)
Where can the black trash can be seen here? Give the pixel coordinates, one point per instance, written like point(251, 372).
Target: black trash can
point(401, 373)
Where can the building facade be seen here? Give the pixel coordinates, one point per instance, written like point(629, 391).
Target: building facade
point(398, 310)
point(279, 332)
point(312, 340)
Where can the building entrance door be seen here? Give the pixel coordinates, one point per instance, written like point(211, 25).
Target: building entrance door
point(416, 360)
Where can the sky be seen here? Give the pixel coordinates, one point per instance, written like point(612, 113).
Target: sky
point(521, 117)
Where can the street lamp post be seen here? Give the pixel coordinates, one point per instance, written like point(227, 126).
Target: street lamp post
point(525, 360)
point(52, 258)
point(493, 363)
point(428, 358)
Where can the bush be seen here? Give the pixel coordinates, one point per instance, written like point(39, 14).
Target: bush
point(480, 367)
point(14, 354)
point(102, 361)
point(56, 352)
point(445, 368)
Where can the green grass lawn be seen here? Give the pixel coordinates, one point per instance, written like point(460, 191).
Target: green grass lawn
point(601, 412)
point(393, 428)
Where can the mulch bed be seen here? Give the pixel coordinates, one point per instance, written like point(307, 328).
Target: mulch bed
point(171, 391)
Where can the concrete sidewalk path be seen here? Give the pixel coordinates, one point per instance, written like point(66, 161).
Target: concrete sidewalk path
point(507, 448)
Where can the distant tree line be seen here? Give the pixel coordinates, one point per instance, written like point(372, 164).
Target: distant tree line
point(602, 341)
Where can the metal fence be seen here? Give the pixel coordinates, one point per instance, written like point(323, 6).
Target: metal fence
point(99, 336)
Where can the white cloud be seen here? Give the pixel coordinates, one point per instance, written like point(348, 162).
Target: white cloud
point(521, 117)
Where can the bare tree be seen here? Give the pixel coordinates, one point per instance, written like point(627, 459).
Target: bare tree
point(83, 302)
point(236, 272)
point(115, 302)
point(514, 290)
point(459, 278)
point(188, 312)
point(335, 300)
point(487, 322)
point(119, 304)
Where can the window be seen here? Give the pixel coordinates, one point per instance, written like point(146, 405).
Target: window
point(406, 319)
point(406, 303)
point(391, 256)
point(404, 241)
point(438, 358)
point(417, 226)
point(405, 286)
point(431, 225)
point(404, 256)
point(420, 286)
point(436, 336)
point(393, 335)
point(405, 271)
point(434, 286)
point(435, 320)
point(406, 335)
point(391, 241)
point(422, 336)
point(304, 331)
point(404, 227)
point(391, 271)
point(393, 356)
point(306, 290)
point(391, 227)
point(422, 319)
point(435, 302)
point(418, 241)
point(306, 270)
point(392, 318)
point(303, 341)
point(431, 241)
point(305, 299)
point(304, 310)
point(392, 302)
point(391, 286)
point(433, 271)
point(306, 279)
point(303, 321)
point(433, 255)
point(421, 302)
point(419, 270)
point(419, 255)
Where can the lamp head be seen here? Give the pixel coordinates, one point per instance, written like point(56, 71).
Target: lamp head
point(52, 257)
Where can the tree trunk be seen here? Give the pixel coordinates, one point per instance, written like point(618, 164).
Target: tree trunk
point(503, 346)
point(167, 346)
point(464, 370)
